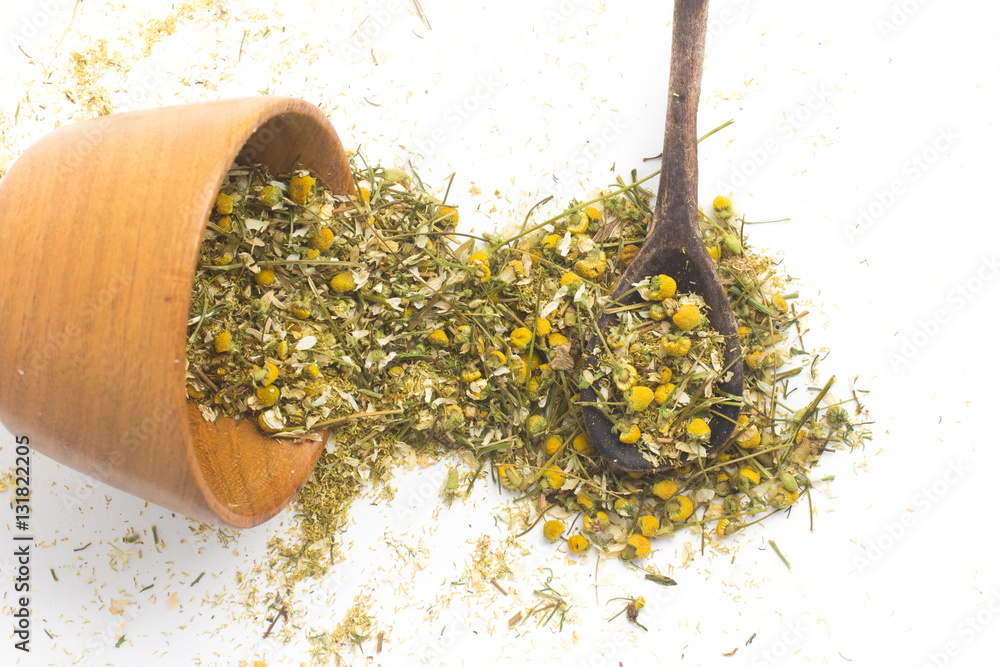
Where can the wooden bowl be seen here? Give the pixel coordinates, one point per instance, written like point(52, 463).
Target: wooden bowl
point(100, 225)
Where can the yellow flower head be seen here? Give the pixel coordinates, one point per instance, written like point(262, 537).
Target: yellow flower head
point(224, 204)
point(663, 392)
point(585, 501)
point(676, 347)
point(553, 444)
point(449, 213)
point(223, 342)
point(568, 279)
point(555, 476)
point(342, 283)
point(698, 430)
point(542, 326)
point(268, 395)
point(578, 544)
point(625, 377)
point(264, 278)
point(750, 475)
point(553, 529)
point(322, 240)
point(680, 508)
point(665, 489)
point(438, 337)
point(269, 195)
point(639, 398)
point(640, 544)
point(471, 374)
point(628, 253)
point(270, 374)
point(648, 525)
point(687, 317)
point(577, 223)
point(300, 187)
point(596, 523)
point(661, 287)
point(592, 265)
point(723, 207)
point(520, 337)
point(631, 436)
point(551, 241)
point(556, 339)
point(583, 444)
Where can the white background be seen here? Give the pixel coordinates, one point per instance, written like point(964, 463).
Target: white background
point(840, 108)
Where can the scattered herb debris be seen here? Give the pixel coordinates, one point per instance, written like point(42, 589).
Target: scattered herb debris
point(370, 315)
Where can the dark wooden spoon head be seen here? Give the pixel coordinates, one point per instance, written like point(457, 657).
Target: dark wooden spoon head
point(674, 247)
point(689, 264)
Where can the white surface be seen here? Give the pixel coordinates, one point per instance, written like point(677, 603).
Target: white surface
point(834, 106)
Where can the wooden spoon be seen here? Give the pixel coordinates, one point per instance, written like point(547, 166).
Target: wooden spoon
point(674, 247)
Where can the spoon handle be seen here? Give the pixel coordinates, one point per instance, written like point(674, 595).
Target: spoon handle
point(675, 218)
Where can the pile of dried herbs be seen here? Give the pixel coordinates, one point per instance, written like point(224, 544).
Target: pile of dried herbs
point(371, 315)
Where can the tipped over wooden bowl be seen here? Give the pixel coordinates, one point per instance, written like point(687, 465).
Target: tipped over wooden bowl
point(100, 226)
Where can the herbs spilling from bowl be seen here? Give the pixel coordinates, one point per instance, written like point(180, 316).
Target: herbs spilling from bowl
point(370, 315)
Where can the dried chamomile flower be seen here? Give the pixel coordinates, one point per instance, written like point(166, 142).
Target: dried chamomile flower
point(640, 544)
point(269, 196)
point(648, 525)
point(665, 489)
point(223, 342)
point(264, 278)
point(687, 317)
point(300, 188)
point(578, 544)
point(723, 207)
point(224, 204)
point(520, 337)
point(438, 337)
point(555, 476)
point(676, 347)
point(323, 240)
point(679, 508)
point(553, 529)
point(343, 282)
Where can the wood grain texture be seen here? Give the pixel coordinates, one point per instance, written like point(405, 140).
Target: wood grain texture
point(673, 245)
point(100, 225)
